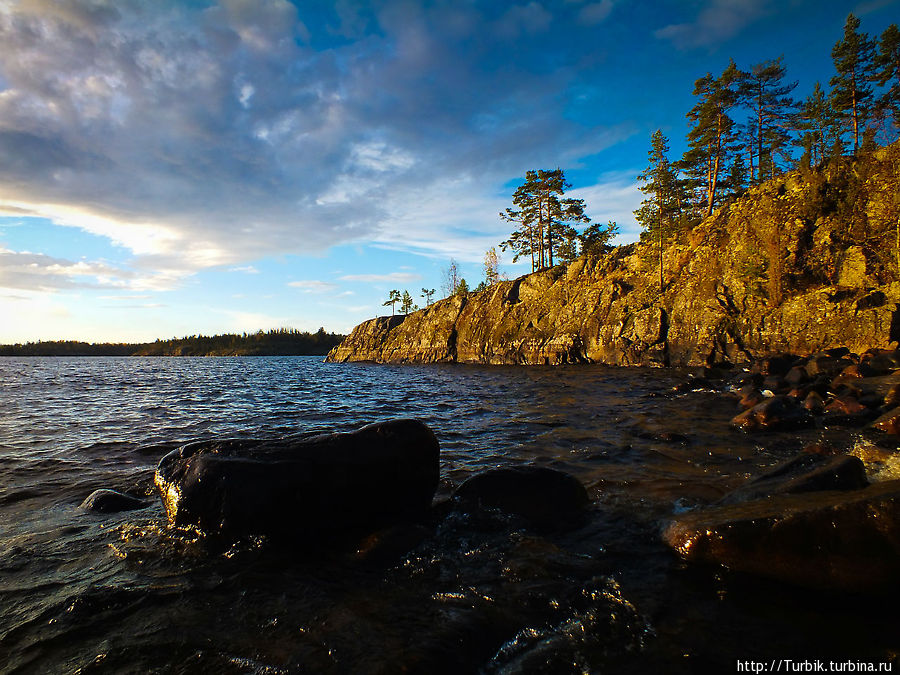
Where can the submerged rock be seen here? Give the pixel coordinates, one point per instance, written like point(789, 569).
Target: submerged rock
point(848, 541)
point(807, 472)
point(379, 474)
point(544, 496)
point(110, 501)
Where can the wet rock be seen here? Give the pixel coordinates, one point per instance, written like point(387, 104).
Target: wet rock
point(777, 364)
point(847, 377)
point(892, 398)
point(847, 541)
point(750, 396)
point(796, 376)
point(111, 501)
point(807, 472)
point(827, 365)
point(798, 394)
point(880, 362)
point(777, 412)
point(878, 387)
point(847, 409)
point(544, 496)
point(889, 422)
point(813, 402)
point(379, 474)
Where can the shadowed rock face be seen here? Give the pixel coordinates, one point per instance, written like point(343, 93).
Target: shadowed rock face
point(718, 304)
point(381, 473)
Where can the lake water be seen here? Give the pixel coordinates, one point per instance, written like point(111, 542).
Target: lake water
point(83, 592)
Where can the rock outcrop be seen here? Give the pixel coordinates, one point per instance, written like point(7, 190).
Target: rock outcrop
point(316, 486)
point(800, 264)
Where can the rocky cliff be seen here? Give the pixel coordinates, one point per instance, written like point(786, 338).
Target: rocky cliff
point(805, 262)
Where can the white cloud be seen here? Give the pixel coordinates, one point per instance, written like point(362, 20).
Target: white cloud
point(25, 270)
point(399, 277)
point(245, 269)
point(614, 196)
point(313, 286)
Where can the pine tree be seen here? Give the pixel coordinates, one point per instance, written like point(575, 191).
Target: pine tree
point(888, 74)
point(765, 93)
point(406, 305)
point(393, 299)
point(851, 91)
point(427, 293)
point(544, 216)
point(661, 210)
point(594, 240)
point(711, 140)
point(818, 123)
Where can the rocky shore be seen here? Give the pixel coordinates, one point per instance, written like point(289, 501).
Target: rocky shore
point(800, 264)
point(814, 521)
point(827, 519)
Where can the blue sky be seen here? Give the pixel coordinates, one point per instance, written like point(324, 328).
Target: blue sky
point(172, 168)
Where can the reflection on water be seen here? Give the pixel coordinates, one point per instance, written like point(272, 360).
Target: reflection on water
point(460, 594)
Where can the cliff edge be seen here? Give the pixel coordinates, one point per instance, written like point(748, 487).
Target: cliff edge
point(802, 263)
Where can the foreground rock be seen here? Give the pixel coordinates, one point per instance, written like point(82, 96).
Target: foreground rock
point(545, 497)
point(847, 541)
point(379, 474)
point(111, 501)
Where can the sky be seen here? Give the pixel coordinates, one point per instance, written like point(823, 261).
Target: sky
point(178, 168)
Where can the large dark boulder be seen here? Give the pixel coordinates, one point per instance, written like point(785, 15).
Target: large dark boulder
point(379, 474)
point(546, 497)
point(847, 541)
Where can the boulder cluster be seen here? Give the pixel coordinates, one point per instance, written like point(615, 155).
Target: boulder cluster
point(835, 387)
point(815, 520)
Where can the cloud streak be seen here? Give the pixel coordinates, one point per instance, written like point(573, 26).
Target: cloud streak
point(715, 23)
point(398, 277)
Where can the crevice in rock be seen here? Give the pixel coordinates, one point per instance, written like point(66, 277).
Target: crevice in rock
point(894, 332)
point(512, 297)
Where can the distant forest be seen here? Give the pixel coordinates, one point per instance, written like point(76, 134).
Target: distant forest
point(281, 342)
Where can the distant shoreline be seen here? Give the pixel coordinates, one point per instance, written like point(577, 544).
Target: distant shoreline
point(281, 342)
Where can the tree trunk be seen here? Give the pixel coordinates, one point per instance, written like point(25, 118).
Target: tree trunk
point(855, 115)
point(759, 135)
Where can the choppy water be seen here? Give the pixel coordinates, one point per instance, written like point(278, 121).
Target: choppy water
point(124, 593)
